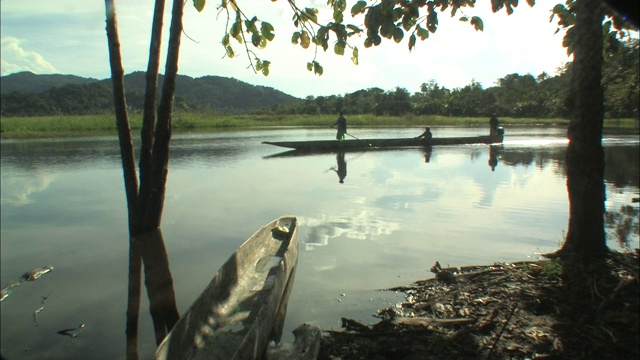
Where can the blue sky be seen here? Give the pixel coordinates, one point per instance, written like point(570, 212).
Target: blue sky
point(68, 37)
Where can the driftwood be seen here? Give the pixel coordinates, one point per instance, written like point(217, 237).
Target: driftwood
point(305, 347)
point(425, 321)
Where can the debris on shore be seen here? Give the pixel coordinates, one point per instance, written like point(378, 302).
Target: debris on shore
point(522, 310)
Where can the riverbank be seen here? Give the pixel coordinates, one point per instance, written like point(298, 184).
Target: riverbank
point(523, 310)
point(104, 125)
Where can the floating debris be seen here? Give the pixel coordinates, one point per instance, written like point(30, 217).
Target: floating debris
point(30, 275)
point(68, 332)
point(44, 298)
point(35, 314)
point(6, 291)
point(36, 273)
point(71, 332)
point(37, 311)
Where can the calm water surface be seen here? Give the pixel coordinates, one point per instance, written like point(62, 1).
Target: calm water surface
point(395, 213)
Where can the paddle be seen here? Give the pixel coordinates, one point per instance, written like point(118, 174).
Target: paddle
point(361, 140)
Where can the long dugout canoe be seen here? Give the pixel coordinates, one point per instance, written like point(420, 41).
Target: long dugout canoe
point(244, 306)
point(372, 144)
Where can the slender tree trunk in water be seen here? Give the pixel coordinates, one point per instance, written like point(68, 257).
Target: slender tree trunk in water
point(122, 119)
point(149, 118)
point(585, 155)
point(145, 204)
point(160, 161)
point(130, 179)
point(159, 283)
point(133, 300)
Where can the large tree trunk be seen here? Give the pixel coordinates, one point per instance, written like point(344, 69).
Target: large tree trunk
point(585, 155)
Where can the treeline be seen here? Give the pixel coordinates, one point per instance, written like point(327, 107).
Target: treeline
point(515, 95)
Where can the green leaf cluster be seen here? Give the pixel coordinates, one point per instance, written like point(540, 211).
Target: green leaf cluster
point(311, 32)
point(388, 19)
point(259, 33)
point(315, 67)
point(614, 29)
point(384, 19)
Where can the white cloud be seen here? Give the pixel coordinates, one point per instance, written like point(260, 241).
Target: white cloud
point(15, 58)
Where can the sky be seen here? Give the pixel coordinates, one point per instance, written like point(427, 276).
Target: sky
point(68, 37)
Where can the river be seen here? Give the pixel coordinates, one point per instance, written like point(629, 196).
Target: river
point(391, 217)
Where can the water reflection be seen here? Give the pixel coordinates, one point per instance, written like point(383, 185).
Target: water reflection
point(62, 203)
point(51, 155)
point(494, 152)
point(621, 224)
point(427, 153)
point(149, 250)
point(26, 187)
point(356, 226)
point(341, 170)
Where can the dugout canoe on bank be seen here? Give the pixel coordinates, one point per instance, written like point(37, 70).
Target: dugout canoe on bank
point(374, 144)
point(244, 305)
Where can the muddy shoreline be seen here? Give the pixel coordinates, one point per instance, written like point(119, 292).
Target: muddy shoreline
point(524, 310)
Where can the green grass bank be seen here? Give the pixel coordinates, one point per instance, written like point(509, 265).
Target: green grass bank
point(104, 125)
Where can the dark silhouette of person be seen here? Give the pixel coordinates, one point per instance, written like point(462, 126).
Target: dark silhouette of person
point(342, 126)
point(426, 135)
point(427, 153)
point(493, 157)
point(342, 167)
point(493, 125)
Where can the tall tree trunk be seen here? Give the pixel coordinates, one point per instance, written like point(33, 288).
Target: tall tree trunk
point(160, 161)
point(585, 155)
point(122, 118)
point(145, 204)
point(149, 118)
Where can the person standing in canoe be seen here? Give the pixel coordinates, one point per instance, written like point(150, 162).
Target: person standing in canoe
point(493, 125)
point(341, 123)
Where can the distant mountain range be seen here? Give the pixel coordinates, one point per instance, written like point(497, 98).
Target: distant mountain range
point(219, 94)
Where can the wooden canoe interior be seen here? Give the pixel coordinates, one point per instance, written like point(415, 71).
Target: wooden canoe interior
point(234, 317)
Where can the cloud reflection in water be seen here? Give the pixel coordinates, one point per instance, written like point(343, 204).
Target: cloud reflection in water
point(363, 225)
point(17, 191)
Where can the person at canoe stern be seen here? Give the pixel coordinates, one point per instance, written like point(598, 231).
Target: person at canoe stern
point(493, 125)
point(426, 135)
point(342, 126)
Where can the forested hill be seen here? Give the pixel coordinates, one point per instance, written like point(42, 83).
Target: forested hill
point(28, 94)
point(28, 82)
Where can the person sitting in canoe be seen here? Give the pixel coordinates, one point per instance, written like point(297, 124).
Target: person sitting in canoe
point(342, 126)
point(426, 135)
